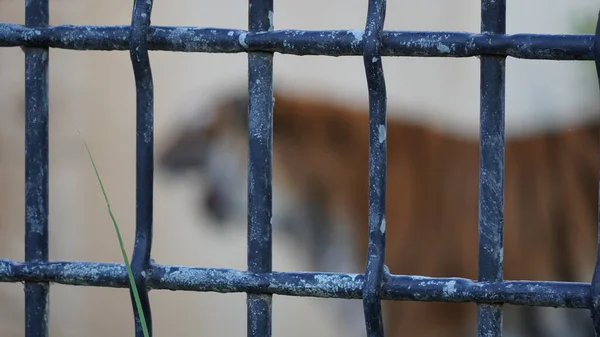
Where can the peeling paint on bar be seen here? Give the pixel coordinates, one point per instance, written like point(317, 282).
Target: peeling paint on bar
point(142, 70)
point(375, 269)
point(37, 14)
point(382, 135)
point(260, 166)
point(297, 42)
point(323, 285)
point(491, 167)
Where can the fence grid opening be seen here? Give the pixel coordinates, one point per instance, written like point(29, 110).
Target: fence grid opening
point(260, 41)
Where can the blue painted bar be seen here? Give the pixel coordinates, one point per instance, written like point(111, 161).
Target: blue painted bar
point(491, 168)
point(320, 285)
point(140, 261)
point(595, 285)
point(377, 167)
point(300, 42)
point(37, 14)
point(260, 167)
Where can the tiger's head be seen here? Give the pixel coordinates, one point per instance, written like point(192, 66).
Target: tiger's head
point(312, 144)
point(214, 148)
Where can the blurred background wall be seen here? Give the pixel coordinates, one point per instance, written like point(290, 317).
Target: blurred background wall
point(93, 93)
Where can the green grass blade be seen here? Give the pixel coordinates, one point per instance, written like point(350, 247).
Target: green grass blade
point(123, 252)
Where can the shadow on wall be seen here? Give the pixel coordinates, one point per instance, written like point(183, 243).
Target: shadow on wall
point(93, 93)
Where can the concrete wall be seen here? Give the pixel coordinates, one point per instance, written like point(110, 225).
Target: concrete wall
point(93, 93)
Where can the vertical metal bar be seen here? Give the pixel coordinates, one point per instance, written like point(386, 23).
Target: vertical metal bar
point(140, 60)
point(37, 14)
point(377, 167)
point(595, 287)
point(260, 145)
point(491, 167)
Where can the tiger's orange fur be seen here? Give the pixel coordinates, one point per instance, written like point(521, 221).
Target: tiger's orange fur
point(320, 165)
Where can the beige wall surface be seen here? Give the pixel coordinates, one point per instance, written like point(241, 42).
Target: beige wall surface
point(93, 93)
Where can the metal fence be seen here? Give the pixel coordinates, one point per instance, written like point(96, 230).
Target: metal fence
point(259, 281)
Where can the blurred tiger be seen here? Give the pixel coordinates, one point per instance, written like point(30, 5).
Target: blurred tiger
point(320, 198)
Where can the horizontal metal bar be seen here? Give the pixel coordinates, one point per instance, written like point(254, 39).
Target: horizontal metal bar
point(298, 42)
point(322, 285)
